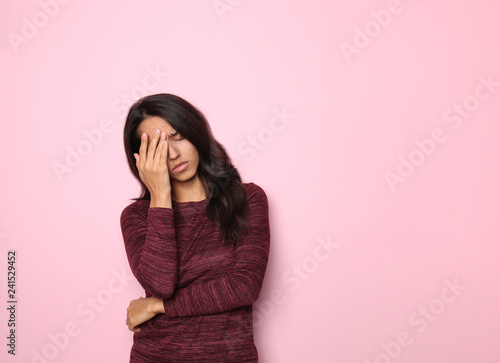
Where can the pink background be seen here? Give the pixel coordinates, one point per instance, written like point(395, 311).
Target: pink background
point(360, 269)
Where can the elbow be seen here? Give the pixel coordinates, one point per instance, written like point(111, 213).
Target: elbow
point(250, 290)
point(159, 287)
point(162, 296)
point(164, 292)
point(254, 295)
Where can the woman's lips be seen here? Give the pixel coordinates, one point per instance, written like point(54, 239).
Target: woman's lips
point(181, 167)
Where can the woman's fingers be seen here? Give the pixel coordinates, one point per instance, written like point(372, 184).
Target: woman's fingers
point(152, 148)
point(131, 326)
point(164, 153)
point(158, 162)
point(142, 148)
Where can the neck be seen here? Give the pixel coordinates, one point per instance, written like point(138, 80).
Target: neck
point(188, 191)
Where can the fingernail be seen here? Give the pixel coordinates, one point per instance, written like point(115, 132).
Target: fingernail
point(157, 131)
point(143, 135)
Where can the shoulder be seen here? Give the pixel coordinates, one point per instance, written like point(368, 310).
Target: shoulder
point(258, 208)
point(255, 193)
point(137, 209)
point(252, 188)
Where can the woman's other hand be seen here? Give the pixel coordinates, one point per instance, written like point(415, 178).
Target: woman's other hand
point(141, 310)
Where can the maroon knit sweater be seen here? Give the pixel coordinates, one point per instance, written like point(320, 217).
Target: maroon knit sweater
point(208, 289)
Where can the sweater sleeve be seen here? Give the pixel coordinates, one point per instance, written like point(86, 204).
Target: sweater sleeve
point(241, 286)
point(151, 248)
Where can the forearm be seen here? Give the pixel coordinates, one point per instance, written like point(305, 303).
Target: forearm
point(157, 268)
point(152, 250)
point(210, 297)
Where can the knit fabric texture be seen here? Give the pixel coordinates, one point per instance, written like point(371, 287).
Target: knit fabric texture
point(177, 254)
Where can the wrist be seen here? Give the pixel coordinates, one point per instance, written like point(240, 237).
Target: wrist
point(157, 306)
point(162, 201)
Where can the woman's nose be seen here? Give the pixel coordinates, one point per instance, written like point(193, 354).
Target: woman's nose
point(173, 153)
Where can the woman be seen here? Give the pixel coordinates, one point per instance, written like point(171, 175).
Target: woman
point(197, 239)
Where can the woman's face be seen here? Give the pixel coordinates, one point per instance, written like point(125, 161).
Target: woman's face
point(180, 150)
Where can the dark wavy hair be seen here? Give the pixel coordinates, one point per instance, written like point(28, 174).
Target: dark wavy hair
point(227, 205)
